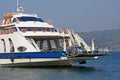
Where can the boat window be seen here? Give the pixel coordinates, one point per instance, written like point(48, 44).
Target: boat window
point(48, 29)
point(53, 45)
point(37, 42)
point(21, 48)
point(55, 30)
point(61, 43)
point(25, 18)
point(39, 19)
point(45, 46)
point(11, 45)
point(4, 47)
point(14, 20)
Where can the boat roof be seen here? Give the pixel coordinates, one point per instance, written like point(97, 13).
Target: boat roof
point(23, 14)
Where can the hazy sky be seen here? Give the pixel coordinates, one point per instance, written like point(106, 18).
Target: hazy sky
point(80, 15)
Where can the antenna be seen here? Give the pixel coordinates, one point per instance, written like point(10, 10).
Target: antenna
point(19, 9)
point(17, 5)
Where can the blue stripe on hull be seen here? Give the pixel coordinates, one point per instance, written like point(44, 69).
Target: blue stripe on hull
point(33, 55)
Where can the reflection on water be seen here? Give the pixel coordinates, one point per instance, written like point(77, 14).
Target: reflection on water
point(46, 73)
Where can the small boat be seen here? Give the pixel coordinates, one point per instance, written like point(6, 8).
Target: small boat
point(26, 41)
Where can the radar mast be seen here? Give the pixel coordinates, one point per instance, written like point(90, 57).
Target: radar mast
point(19, 9)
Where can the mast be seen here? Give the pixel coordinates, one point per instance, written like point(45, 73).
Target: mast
point(17, 5)
point(19, 9)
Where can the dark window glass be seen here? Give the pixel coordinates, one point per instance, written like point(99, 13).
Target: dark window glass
point(4, 46)
point(39, 29)
point(28, 28)
point(39, 19)
point(24, 18)
point(11, 45)
point(14, 20)
point(22, 48)
point(55, 30)
point(48, 29)
point(22, 28)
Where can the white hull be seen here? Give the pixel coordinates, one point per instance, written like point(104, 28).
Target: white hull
point(43, 62)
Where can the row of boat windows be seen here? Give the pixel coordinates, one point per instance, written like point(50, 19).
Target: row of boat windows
point(38, 29)
point(7, 31)
point(43, 45)
point(24, 18)
point(12, 49)
point(32, 29)
point(4, 45)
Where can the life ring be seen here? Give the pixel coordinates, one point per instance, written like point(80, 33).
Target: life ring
point(60, 30)
point(34, 30)
point(52, 30)
point(24, 30)
point(65, 31)
point(44, 30)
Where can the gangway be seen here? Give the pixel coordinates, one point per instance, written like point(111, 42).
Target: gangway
point(78, 41)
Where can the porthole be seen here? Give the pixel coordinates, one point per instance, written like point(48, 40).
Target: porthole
point(21, 48)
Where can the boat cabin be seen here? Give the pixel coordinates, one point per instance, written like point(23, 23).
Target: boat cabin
point(41, 35)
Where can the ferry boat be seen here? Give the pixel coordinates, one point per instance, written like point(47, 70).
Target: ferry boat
point(26, 40)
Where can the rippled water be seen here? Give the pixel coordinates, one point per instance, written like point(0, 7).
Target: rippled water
point(106, 68)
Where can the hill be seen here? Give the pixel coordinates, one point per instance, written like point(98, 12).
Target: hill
point(106, 38)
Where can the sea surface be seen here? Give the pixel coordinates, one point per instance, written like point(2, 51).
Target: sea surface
point(105, 68)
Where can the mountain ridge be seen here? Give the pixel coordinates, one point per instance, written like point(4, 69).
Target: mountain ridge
point(106, 38)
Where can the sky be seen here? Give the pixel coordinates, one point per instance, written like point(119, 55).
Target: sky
point(78, 15)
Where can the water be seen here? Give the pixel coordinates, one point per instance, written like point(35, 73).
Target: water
point(106, 68)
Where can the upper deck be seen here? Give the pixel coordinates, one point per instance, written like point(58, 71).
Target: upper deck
point(29, 25)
